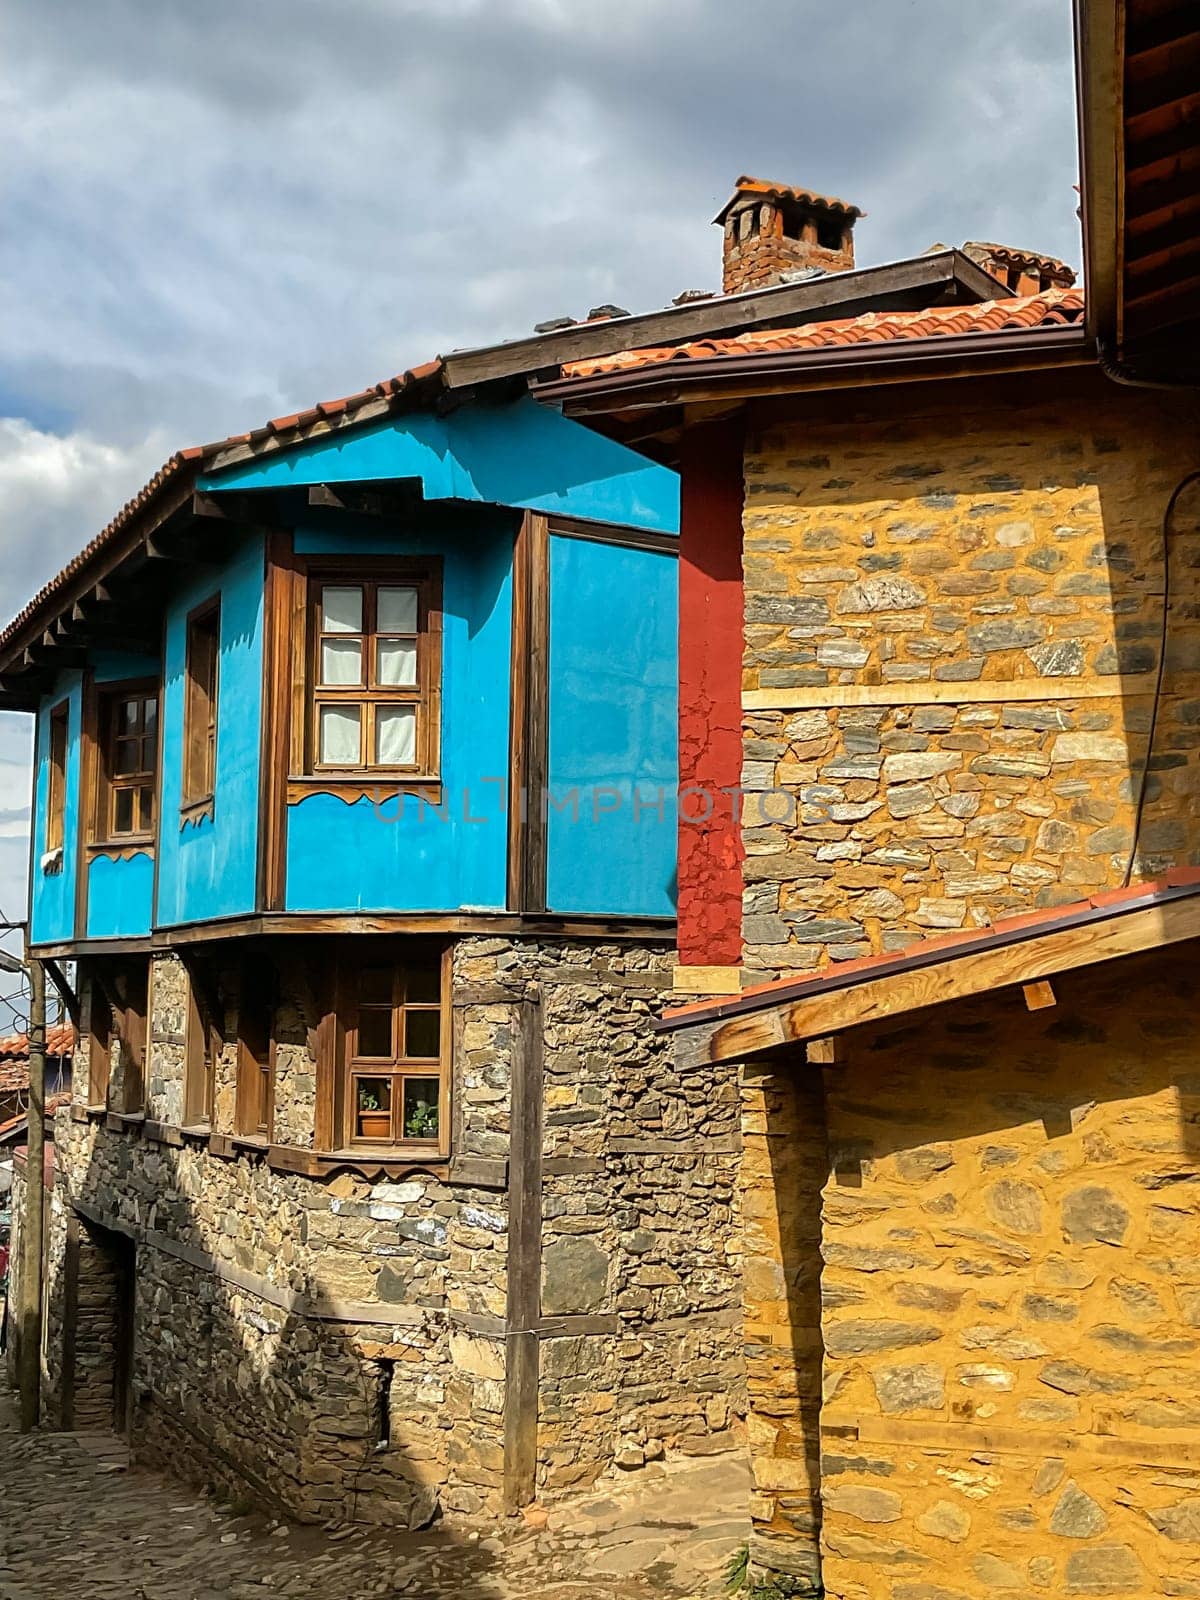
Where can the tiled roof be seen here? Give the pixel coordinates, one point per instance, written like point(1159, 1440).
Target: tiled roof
point(1029, 924)
point(1012, 256)
point(186, 464)
point(1054, 307)
point(14, 1055)
point(785, 191)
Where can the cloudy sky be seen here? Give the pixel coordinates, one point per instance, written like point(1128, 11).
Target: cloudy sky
point(217, 213)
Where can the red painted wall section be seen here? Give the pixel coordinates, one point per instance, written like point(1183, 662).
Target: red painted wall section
point(710, 695)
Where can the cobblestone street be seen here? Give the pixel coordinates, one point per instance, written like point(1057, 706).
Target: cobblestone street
point(78, 1522)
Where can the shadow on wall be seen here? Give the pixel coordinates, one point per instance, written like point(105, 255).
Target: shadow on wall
point(1007, 1208)
point(273, 1400)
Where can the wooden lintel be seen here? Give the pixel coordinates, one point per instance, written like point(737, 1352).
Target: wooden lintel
point(815, 1016)
point(832, 696)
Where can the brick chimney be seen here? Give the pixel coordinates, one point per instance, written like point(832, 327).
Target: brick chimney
point(1023, 271)
point(773, 232)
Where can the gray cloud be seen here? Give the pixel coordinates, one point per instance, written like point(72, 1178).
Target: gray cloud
point(216, 213)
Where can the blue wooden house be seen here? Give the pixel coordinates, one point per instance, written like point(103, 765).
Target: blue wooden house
point(355, 812)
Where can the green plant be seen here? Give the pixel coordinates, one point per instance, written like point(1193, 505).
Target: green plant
point(422, 1121)
point(368, 1100)
point(736, 1570)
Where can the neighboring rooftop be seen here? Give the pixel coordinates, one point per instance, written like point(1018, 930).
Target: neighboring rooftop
point(1054, 308)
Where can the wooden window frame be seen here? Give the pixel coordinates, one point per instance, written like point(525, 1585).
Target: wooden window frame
point(120, 1001)
point(107, 783)
point(200, 1063)
point(255, 1116)
point(202, 678)
point(58, 731)
point(347, 1066)
point(370, 573)
point(100, 1040)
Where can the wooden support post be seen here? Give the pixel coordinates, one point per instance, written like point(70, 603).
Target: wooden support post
point(29, 1304)
point(521, 1366)
point(529, 717)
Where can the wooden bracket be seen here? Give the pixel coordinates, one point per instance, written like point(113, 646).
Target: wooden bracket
point(1039, 995)
point(829, 1052)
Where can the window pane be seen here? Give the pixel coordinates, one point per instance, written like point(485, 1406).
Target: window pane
point(340, 744)
point(375, 1033)
point(341, 609)
point(127, 756)
point(372, 1108)
point(341, 660)
point(127, 715)
point(395, 736)
point(422, 1034)
point(145, 810)
point(396, 662)
point(421, 1108)
point(423, 983)
point(150, 716)
point(123, 811)
point(397, 611)
point(375, 986)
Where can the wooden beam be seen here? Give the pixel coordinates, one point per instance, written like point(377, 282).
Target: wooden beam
point(529, 717)
point(816, 1016)
point(930, 276)
point(523, 1311)
point(989, 692)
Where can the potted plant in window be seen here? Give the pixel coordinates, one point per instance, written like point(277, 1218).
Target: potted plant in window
point(422, 1121)
point(374, 1119)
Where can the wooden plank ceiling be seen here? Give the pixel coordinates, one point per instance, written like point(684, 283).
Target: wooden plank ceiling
point(1161, 112)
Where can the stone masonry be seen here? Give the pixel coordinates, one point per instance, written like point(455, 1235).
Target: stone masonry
point(970, 1328)
point(901, 573)
point(1009, 1206)
point(278, 1316)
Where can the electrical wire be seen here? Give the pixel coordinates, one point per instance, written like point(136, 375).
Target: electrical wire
point(1179, 490)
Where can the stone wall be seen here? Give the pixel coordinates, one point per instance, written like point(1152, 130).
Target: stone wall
point(953, 620)
point(1010, 1236)
point(279, 1315)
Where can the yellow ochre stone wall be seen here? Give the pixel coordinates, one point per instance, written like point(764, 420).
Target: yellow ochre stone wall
point(993, 567)
point(1010, 1288)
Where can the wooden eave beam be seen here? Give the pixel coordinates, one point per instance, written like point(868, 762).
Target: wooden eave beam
point(388, 500)
point(946, 272)
point(1098, 76)
point(815, 1016)
point(94, 577)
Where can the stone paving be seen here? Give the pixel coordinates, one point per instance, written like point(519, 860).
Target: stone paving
point(76, 1520)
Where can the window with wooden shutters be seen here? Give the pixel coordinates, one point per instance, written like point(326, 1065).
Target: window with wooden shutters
point(395, 1051)
point(200, 706)
point(374, 670)
point(56, 786)
point(128, 764)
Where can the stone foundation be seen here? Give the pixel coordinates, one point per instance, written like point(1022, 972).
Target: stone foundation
point(339, 1344)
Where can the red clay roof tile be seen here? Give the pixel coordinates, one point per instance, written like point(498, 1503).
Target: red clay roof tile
point(1053, 307)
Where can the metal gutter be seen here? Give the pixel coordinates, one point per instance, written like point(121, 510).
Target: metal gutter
point(936, 954)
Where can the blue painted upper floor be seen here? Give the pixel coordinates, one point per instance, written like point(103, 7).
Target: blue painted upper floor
point(425, 665)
